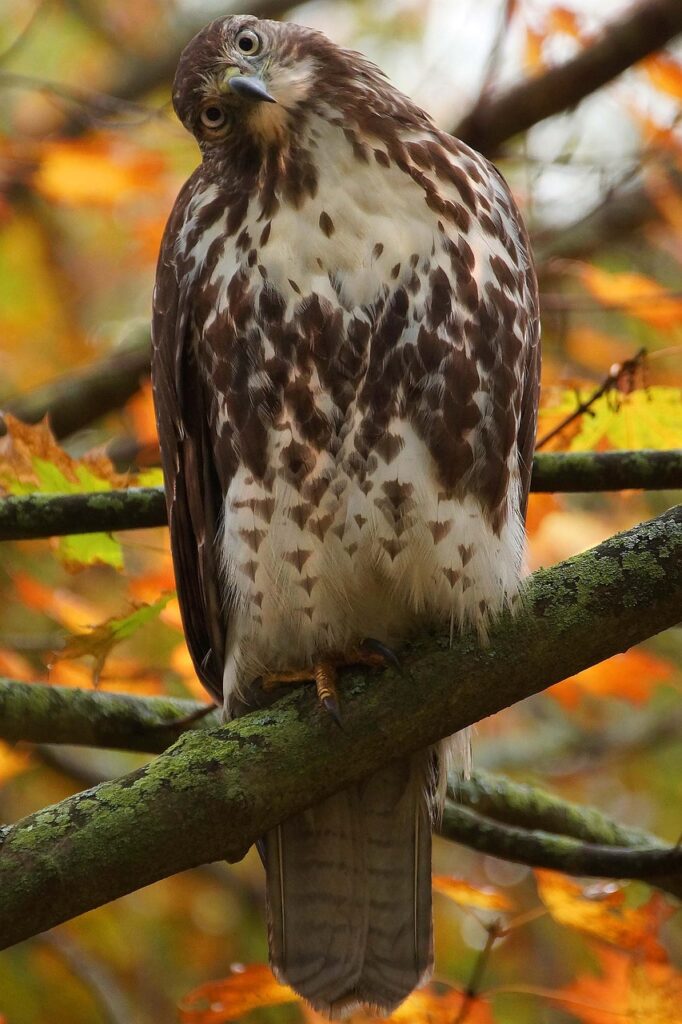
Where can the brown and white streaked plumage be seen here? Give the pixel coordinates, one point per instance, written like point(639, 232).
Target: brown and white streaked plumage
point(345, 370)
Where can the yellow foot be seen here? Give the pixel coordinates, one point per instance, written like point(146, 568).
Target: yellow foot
point(324, 672)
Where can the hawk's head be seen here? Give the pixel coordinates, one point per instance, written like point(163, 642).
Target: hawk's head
point(242, 74)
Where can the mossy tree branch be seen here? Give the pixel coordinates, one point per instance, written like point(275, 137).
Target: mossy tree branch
point(211, 795)
point(29, 517)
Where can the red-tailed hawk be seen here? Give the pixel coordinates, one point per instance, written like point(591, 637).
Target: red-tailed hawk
point(346, 370)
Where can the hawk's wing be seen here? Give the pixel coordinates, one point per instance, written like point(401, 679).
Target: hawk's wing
point(193, 493)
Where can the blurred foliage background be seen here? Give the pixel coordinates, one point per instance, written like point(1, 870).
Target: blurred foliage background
point(91, 159)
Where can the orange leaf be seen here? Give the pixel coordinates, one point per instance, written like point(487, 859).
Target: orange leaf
point(12, 762)
point(424, 1006)
point(533, 58)
point(122, 675)
point(16, 666)
point(141, 410)
point(665, 73)
point(643, 993)
point(246, 989)
point(97, 171)
point(29, 453)
point(600, 912)
point(468, 895)
point(69, 609)
point(561, 19)
point(635, 294)
point(631, 676)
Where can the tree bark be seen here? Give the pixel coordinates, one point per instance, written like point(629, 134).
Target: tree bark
point(211, 795)
point(628, 39)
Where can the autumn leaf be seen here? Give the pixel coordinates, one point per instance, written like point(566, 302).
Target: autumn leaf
point(120, 675)
point(15, 665)
point(32, 461)
point(562, 19)
point(650, 418)
point(69, 609)
point(533, 58)
point(96, 171)
point(665, 73)
point(97, 643)
point(645, 418)
point(634, 294)
point(246, 989)
point(638, 992)
point(631, 676)
point(468, 895)
point(601, 912)
point(12, 762)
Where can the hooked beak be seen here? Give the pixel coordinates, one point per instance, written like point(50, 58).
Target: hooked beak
point(252, 88)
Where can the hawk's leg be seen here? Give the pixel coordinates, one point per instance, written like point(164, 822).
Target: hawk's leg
point(324, 672)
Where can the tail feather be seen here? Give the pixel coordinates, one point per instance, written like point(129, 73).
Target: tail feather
point(349, 893)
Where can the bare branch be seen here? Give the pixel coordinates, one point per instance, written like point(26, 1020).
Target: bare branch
point(74, 400)
point(210, 796)
point(650, 25)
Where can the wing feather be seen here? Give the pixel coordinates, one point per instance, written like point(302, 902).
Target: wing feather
point(193, 491)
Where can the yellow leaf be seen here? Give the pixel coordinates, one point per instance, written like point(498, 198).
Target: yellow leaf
point(650, 418)
point(601, 912)
point(634, 294)
point(631, 676)
point(246, 989)
point(96, 171)
point(468, 895)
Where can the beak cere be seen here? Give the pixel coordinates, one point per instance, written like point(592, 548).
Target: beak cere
point(251, 87)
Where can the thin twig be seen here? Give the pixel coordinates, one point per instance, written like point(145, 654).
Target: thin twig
point(495, 929)
point(617, 375)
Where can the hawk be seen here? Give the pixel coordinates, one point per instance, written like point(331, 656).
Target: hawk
point(345, 369)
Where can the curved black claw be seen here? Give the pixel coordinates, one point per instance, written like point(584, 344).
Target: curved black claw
point(331, 705)
point(376, 647)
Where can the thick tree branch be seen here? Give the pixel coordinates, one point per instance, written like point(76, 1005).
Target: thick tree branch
point(77, 399)
point(94, 718)
point(211, 795)
point(650, 25)
point(32, 516)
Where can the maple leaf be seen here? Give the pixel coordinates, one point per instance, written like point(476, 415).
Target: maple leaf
point(643, 418)
point(631, 676)
point(97, 643)
point(247, 988)
point(31, 461)
point(601, 912)
point(468, 895)
point(638, 992)
point(650, 418)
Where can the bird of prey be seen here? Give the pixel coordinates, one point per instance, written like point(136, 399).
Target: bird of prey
point(345, 372)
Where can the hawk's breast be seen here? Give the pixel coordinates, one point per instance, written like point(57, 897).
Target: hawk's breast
point(363, 353)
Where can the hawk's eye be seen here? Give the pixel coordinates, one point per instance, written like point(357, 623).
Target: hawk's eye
point(248, 42)
point(213, 117)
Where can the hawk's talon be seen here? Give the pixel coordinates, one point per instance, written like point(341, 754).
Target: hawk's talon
point(382, 651)
point(325, 684)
